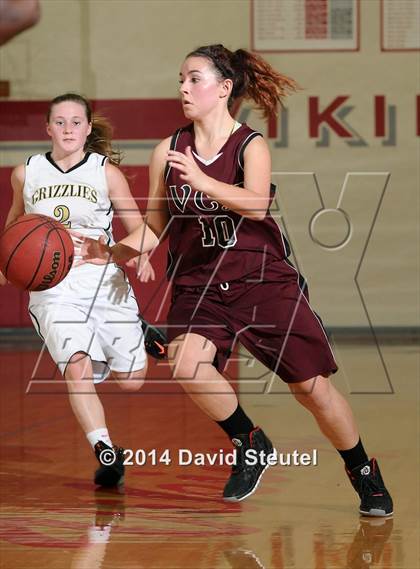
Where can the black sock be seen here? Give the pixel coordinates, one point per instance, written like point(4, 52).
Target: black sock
point(237, 424)
point(354, 456)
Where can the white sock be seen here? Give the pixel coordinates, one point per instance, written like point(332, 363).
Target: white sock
point(99, 435)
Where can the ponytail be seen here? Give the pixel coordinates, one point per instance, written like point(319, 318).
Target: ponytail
point(258, 81)
point(100, 138)
point(252, 77)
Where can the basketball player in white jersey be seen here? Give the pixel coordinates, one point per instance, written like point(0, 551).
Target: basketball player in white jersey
point(89, 322)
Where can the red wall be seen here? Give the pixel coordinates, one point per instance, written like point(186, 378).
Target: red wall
point(13, 303)
point(132, 119)
point(150, 119)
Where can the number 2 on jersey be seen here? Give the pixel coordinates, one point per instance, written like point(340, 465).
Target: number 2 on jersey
point(220, 228)
point(62, 213)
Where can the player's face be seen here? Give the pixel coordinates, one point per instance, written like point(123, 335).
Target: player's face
point(68, 126)
point(201, 88)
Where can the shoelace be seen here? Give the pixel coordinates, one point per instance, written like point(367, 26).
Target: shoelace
point(240, 459)
point(119, 451)
point(370, 484)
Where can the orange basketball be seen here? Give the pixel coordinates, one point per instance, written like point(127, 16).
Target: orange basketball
point(36, 252)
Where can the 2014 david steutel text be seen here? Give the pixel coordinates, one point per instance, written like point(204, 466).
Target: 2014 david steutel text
point(186, 457)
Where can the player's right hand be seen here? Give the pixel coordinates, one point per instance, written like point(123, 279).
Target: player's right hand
point(3, 280)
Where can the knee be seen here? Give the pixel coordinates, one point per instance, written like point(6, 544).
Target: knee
point(78, 368)
point(130, 381)
point(131, 385)
point(308, 401)
point(313, 394)
point(189, 355)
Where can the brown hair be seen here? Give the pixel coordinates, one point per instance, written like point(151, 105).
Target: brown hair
point(252, 77)
point(100, 138)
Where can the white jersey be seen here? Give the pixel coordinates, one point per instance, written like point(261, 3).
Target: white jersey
point(77, 198)
point(93, 309)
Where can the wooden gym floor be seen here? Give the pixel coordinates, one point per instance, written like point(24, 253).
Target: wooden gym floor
point(172, 516)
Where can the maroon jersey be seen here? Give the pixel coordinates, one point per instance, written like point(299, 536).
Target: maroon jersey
point(209, 243)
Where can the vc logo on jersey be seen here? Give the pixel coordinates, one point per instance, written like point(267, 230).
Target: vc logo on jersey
point(181, 196)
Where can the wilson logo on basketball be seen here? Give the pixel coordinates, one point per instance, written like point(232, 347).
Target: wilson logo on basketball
point(36, 252)
point(49, 277)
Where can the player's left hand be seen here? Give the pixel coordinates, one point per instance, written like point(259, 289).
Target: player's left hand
point(88, 250)
point(143, 267)
point(188, 168)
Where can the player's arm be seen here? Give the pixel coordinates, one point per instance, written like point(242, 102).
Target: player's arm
point(141, 239)
point(17, 208)
point(252, 200)
point(157, 215)
point(16, 16)
point(122, 200)
point(157, 207)
point(127, 210)
point(97, 252)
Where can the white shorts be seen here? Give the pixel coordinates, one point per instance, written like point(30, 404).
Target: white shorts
point(93, 310)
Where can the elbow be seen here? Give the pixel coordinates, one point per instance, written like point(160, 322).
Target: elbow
point(33, 16)
point(258, 212)
point(156, 241)
point(152, 240)
point(157, 230)
point(257, 215)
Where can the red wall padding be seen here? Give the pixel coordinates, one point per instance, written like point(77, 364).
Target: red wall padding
point(132, 119)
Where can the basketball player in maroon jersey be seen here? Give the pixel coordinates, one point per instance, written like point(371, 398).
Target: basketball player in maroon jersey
point(232, 281)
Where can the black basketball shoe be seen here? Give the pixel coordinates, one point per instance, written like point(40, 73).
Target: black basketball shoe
point(246, 475)
point(155, 340)
point(111, 470)
point(374, 497)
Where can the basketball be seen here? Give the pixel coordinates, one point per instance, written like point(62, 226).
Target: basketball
point(36, 252)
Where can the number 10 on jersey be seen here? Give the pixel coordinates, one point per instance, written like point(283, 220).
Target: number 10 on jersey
point(220, 229)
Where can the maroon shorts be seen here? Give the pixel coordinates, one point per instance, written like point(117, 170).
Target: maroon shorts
point(271, 318)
